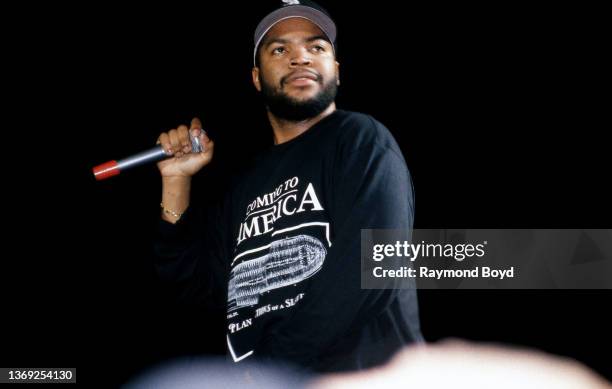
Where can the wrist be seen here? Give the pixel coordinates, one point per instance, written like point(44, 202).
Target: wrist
point(175, 197)
point(170, 215)
point(175, 189)
point(176, 181)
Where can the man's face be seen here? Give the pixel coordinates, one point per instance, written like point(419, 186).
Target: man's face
point(298, 72)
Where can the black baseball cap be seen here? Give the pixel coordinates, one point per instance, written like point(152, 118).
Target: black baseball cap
point(295, 9)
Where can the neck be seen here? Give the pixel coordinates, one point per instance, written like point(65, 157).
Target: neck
point(285, 130)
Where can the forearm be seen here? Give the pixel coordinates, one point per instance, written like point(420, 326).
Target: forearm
point(175, 196)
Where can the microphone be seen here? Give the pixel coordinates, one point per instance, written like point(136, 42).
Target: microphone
point(113, 168)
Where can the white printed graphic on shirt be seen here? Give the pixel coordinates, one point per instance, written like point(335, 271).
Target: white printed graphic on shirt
point(296, 255)
point(289, 261)
point(265, 210)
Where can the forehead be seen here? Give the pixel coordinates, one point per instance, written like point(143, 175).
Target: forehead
point(298, 27)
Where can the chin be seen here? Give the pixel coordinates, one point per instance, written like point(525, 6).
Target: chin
point(302, 96)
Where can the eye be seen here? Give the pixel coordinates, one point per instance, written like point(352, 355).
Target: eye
point(318, 48)
point(278, 50)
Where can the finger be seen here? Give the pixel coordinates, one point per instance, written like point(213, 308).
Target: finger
point(174, 141)
point(196, 123)
point(183, 135)
point(204, 137)
point(208, 147)
point(164, 140)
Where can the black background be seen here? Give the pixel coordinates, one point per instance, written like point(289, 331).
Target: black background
point(495, 109)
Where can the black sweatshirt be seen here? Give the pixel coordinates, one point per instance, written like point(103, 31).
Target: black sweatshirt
point(281, 255)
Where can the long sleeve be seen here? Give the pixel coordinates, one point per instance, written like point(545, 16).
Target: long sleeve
point(372, 188)
point(189, 258)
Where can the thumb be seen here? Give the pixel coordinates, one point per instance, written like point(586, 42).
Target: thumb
point(196, 124)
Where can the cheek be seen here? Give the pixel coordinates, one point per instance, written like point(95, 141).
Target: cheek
point(271, 78)
point(329, 70)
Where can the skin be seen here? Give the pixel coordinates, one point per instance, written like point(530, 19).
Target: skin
point(292, 47)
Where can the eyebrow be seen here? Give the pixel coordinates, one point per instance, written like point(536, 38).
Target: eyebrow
point(285, 41)
point(318, 37)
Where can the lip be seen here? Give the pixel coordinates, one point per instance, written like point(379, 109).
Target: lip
point(301, 81)
point(301, 77)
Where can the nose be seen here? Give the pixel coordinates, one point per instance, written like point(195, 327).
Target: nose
point(301, 58)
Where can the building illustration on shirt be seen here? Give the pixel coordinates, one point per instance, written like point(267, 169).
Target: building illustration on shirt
point(288, 261)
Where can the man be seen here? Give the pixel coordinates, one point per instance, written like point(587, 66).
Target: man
point(282, 253)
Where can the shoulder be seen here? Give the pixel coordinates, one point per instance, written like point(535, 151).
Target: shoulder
point(360, 131)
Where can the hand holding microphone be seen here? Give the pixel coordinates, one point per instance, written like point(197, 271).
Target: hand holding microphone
point(182, 152)
point(176, 171)
point(177, 143)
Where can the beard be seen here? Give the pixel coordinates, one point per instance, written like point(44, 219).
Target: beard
point(285, 107)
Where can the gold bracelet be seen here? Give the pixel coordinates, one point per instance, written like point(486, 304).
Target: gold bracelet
point(170, 212)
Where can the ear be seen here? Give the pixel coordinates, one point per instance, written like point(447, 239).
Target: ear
point(255, 75)
point(338, 72)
